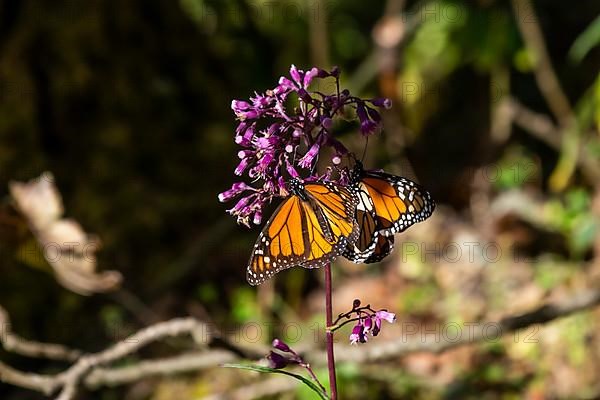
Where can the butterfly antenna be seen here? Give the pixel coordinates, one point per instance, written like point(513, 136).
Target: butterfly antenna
point(312, 171)
point(364, 154)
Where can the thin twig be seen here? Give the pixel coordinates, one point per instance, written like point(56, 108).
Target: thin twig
point(542, 127)
point(29, 348)
point(195, 361)
point(528, 23)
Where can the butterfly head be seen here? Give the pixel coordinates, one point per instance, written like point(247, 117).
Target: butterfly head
point(297, 188)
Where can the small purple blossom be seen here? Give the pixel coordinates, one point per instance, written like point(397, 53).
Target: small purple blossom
point(383, 314)
point(281, 345)
point(282, 139)
point(357, 334)
point(236, 189)
point(367, 321)
point(368, 324)
point(382, 102)
point(277, 361)
point(370, 120)
point(309, 157)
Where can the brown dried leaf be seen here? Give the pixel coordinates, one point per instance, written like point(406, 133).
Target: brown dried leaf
point(66, 246)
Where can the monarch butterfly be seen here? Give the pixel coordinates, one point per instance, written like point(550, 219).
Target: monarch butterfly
point(387, 204)
point(310, 228)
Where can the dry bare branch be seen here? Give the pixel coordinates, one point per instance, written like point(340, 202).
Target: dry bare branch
point(545, 313)
point(93, 370)
point(544, 73)
point(69, 380)
point(29, 348)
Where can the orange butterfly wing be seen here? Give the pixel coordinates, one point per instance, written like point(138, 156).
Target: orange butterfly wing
point(332, 224)
point(399, 202)
point(308, 229)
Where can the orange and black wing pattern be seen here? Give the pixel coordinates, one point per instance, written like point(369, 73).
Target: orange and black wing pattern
point(399, 202)
point(371, 245)
point(331, 222)
point(383, 247)
point(388, 204)
point(310, 228)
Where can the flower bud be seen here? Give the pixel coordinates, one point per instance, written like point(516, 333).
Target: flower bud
point(382, 102)
point(327, 123)
point(281, 345)
point(277, 361)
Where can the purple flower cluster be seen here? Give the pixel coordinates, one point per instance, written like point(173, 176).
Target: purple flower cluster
point(283, 131)
point(371, 323)
point(367, 321)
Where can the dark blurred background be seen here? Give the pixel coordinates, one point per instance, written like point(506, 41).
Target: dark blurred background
point(128, 105)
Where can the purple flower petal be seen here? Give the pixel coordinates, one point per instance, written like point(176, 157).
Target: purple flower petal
point(285, 84)
point(361, 112)
point(257, 217)
point(261, 101)
point(244, 136)
point(310, 75)
point(281, 345)
point(367, 325)
point(245, 153)
point(241, 205)
point(242, 166)
point(376, 327)
point(382, 102)
point(265, 161)
point(239, 106)
point(277, 361)
point(356, 334)
point(244, 115)
point(309, 157)
point(236, 189)
point(327, 123)
point(388, 316)
point(368, 127)
point(296, 74)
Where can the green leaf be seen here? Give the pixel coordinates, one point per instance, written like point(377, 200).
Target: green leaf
point(259, 368)
point(586, 41)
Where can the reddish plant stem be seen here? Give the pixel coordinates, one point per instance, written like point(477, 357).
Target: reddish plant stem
point(328, 333)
